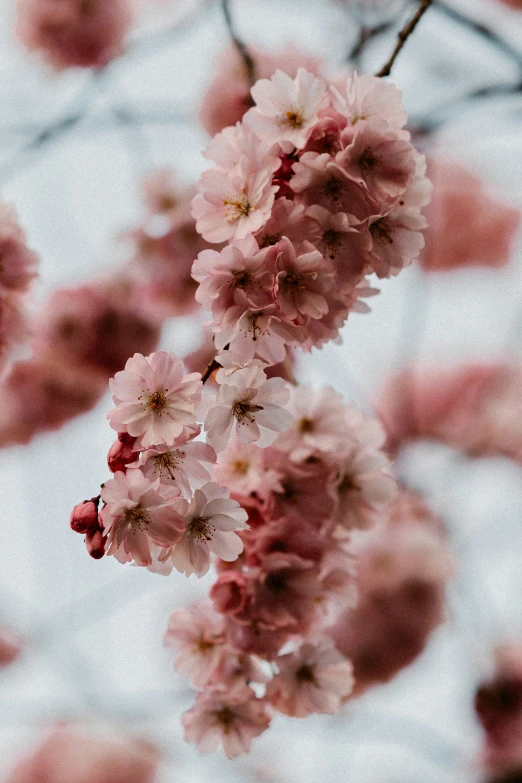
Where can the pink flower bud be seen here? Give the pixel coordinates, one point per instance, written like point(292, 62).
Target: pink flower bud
point(121, 453)
point(95, 543)
point(229, 592)
point(84, 516)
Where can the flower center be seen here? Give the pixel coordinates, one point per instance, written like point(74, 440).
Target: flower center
point(368, 160)
point(333, 187)
point(237, 207)
point(241, 466)
point(294, 282)
point(225, 717)
point(157, 401)
point(306, 425)
point(167, 463)
point(244, 410)
point(348, 485)
point(201, 529)
point(137, 518)
point(241, 279)
point(293, 119)
point(381, 232)
point(306, 674)
point(332, 240)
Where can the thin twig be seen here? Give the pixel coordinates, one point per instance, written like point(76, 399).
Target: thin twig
point(239, 43)
point(213, 365)
point(403, 36)
point(366, 34)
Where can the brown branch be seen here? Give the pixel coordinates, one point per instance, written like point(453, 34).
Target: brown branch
point(403, 36)
point(240, 45)
point(213, 365)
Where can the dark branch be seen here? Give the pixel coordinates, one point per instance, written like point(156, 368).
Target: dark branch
point(210, 369)
point(403, 36)
point(239, 43)
point(366, 34)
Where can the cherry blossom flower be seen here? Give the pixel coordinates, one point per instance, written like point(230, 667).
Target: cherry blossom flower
point(365, 98)
point(301, 282)
point(18, 264)
point(239, 466)
point(74, 33)
point(138, 515)
point(258, 333)
point(210, 522)
point(397, 240)
point(286, 109)
point(233, 720)
point(154, 401)
point(73, 755)
point(183, 467)
point(320, 180)
point(233, 205)
point(289, 220)
point(248, 406)
point(198, 633)
point(314, 678)
point(344, 241)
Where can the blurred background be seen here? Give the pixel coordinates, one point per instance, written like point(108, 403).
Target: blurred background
point(73, 149)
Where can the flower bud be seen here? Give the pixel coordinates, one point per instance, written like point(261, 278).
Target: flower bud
point(95, 543)
point(121, 453)
point(84, 517)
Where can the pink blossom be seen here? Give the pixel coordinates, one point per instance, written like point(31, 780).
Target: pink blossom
point(365, 98)
point(14, 324)
point(260, 333)
point(468, 223)
point(228, 96)
point(301, 282)
point(289, 220)
point(286, 109)
point(210, 522)
point(233, 205)
point(10, 646)
point(154, 400)
point(18, 264)
point(239, 467)
point(397, 240)
point(248, 406)
point(183, 467)
point(73, 33)
point(233, 720)
point(344, 241)
point(233, 280)
point(380, 159)
point(160, 192)
point(320, 180)
point(314, 678)
point(198, 634)
point(84, 516)
point(72, 755)
point(137, 515)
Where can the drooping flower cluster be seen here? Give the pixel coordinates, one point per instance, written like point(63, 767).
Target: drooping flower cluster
point(317, 188)
point(402, 571)
point(468, 224)
point(74, 33)
point(18, 268)
point(498, 704)
point(74, 755)
point(473, 407)
point(265, 645)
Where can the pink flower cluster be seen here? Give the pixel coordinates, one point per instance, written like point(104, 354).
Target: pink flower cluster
point(468, 225)
point(317, 188)
point(164, 246)
point(72, 755)
point(18, 268)
point(402, 571)
point(475, 408)
point(265, 645)
point(74, 33)
point(498, 704)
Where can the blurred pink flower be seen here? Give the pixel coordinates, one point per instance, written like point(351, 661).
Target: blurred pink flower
point(18, 264)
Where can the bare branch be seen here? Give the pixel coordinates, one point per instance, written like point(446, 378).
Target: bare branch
point(403, 36)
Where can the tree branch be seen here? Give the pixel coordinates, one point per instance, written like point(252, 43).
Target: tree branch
point(403, 36)
point(239, 43)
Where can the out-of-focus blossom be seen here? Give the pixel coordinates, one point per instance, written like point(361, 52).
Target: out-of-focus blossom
point(73, 755)
point(232, 719)
point(314, 678)
point(154, 400)
point(11, 646)
point(74, 33)
point(18, 264)
point(468, 224)
point(198, 634)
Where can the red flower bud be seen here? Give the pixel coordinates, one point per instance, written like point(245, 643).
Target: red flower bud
point(95, 543)
point(121, 453)
point(84, 517)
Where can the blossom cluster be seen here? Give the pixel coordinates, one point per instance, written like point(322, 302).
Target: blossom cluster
point(265, 645)
point(474, 408)
point(74, 33)
point(18, 268)
point(73, 755)
point(317, 188)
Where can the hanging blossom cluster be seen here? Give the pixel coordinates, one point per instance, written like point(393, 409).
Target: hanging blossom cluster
point(317, 188)
point(18, 268)
point(265, 644)
point(474, 408)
